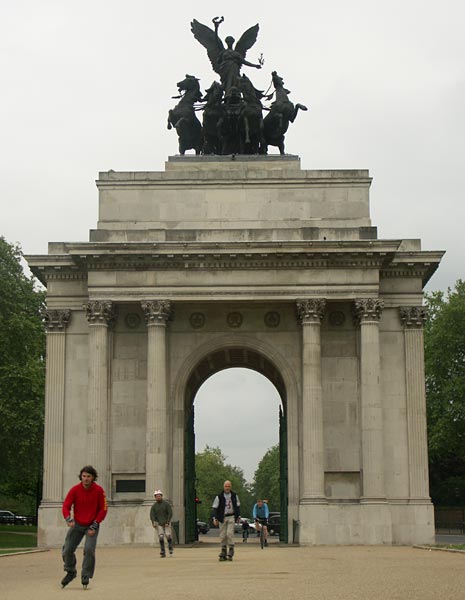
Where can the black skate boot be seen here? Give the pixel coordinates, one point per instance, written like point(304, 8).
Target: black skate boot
point(222, 555)
point(162, 548)
point(67, 578)
point(231, 552)
point(84, 581)
point(170, 545)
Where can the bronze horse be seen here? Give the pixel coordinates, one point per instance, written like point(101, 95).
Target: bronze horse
point(212, 113)
point(251, 118)
point(282, 112)
point(229, 124)
point(182, 116)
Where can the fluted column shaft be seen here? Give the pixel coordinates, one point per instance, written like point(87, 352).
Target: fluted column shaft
point(56, 322)
point(368, 312)
point(413, 319)
point(311, 312)
point(156, 453)
point(100, 316)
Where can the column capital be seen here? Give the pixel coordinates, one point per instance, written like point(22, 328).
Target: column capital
point(157, 312)
point(311, 310)
point(413, 317)
point(56, 319)
point(100, 312)
point(368, 309)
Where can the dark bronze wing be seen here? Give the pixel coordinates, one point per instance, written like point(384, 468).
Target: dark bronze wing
point(209, 40)
point(247, 40)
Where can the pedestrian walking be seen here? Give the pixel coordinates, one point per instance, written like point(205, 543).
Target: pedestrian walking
point(88, 505)
point(225, 512)
point(245, 530)
point(161, 514)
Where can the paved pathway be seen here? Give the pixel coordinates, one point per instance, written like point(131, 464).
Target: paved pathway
point(275, 573)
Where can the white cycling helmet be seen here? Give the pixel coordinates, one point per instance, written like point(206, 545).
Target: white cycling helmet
point(158, 493)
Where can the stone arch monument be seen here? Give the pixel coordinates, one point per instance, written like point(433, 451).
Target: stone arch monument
point(239, 260)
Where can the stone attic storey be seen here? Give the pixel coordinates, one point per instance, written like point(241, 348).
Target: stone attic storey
point(228, 261)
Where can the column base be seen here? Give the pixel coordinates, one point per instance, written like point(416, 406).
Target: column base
point(373, 500)
point(314, 500)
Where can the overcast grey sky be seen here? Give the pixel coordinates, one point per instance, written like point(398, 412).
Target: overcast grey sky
point(87, 87)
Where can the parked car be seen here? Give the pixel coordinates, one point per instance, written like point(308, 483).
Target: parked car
point(274, 524)
point(202, 527)
point(10, 518)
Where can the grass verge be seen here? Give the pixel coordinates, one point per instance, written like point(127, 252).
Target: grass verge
point(17, 536)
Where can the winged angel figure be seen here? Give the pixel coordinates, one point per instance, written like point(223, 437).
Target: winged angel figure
point(227, 62)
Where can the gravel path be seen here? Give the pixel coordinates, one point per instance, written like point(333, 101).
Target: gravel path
point(275, 573)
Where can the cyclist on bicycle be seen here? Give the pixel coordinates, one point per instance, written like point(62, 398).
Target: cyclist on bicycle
point(260, 515)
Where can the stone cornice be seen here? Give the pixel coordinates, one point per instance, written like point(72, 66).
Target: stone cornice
point(233, 175)
point(421, 264)
point(374, 254)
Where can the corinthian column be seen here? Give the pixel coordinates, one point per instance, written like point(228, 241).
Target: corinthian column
point(313, 489)
point(413, 319)
point(157, 313)
point(100, 315)
point(56, 322)
point(368, 312)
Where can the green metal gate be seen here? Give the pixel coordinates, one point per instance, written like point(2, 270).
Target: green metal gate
point(283, 536)
point(189, 479)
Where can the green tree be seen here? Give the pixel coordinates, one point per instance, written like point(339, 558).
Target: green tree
point(445, 393)
point(266, 478)
point(211, 472)
point(22, 378)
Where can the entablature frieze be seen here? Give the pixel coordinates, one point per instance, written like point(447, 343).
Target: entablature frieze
point(234, 256)
point(246, 294)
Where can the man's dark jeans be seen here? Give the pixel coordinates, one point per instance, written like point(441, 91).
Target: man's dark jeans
point(72, 541)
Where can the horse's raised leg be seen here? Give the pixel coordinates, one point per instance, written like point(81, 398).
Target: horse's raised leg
point(296, 110)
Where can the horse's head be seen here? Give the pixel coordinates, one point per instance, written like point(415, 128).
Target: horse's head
point(214, 93)
point(249, 91)
point(189, 84)
point(278, 83)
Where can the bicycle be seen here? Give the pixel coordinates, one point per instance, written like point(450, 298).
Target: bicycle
point(261, 523)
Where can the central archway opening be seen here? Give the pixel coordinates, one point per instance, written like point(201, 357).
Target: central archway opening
point(235, 403)
point(237, 410)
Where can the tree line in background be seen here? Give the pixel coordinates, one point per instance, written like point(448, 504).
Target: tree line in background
point(212, 471)
point(445, 394)
point(22, 381)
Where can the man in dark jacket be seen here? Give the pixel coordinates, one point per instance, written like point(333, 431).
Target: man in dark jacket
point(226, 511)
point(161, 514)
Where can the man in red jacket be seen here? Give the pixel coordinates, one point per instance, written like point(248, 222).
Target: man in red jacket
point(89, 504)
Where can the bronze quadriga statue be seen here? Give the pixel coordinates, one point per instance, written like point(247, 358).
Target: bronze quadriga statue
point(233, 120)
